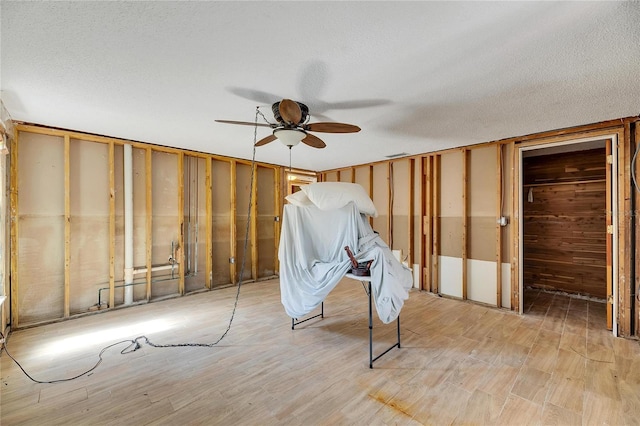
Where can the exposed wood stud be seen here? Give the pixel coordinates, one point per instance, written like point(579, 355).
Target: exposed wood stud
point(411, 189)
point(465, 213)
point(390, 203)
point(419, 257)
point(371, 189)
point(112, 226)
point(67, 225)
point(636, 201)
point(427, 215)
point(515, 229)
point(499, 201)
point(626, 230)
point(13, 232)
point(208, 188)
point(277, 175)
point(353, 175)
point(435, 174)
point(254, 223)
point(181, 250)
point(232, 222)
point(149, 219)
point(609, 242)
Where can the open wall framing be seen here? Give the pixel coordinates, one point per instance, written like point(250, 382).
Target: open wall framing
point(189, 215)
point(432, 206)
point(456, 214)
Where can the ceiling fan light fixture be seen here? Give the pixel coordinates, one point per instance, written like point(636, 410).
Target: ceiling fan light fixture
point(289, 137)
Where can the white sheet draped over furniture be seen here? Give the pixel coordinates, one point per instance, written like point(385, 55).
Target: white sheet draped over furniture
point(313, 259)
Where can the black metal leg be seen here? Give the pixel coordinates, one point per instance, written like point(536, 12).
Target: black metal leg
point(294, 321)
point(370, 330)
point(397, 344)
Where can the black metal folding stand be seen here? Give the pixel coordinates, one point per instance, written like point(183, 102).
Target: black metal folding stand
point(294, 321)
point(367, 289)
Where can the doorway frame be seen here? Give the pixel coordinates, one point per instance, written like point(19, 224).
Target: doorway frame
point(613, 138)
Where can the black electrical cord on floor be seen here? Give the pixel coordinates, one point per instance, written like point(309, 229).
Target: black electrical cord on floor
point(69, 378)
point(134, 344)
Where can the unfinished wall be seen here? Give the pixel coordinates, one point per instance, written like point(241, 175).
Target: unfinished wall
point(165, 234)
point(243, 195)
point(195, 221)
point(5, 266)
point(380, 224)
point(362, 176)
point(444, 218)
point(482, 199)
point(266, 232)
point(221, 219)
point(89, 222)
point(139, 224)
point(190, 215)
point(41, 237)
point(400, 184)
point(451, 226)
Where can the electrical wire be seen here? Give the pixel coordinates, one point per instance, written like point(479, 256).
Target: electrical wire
point(633, 167)
point(68, 378)
point(135, 344)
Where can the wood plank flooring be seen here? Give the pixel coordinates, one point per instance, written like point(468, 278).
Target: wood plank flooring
point(460, 363)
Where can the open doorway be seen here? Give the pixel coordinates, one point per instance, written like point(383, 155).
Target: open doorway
point(566, 234)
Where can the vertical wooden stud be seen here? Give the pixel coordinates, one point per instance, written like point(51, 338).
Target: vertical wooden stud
point(609, 242)
point(436, 224)
point(427, 220)
point(208, 187)
point(410, 229)
point(625, 231)
point(353, 175)
point(515, 186)
point(498, 226)
point(278, 213)
point(371, 189)
point(422, 248)
point(390, 203)
point(232, 222)
point(636, 201)
point(149, 219)
point(112, 226)
point(465, 224)
point(254, 222)
point(67, 225)
point(181, 249)
point(13, 231)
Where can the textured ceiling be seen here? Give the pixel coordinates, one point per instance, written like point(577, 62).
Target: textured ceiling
point(415, 76)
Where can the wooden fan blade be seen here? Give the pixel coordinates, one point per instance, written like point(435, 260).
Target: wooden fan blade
point(266, 140)
point(332, 128)
point(314, 141)
point(290, 111)
point(244, 123)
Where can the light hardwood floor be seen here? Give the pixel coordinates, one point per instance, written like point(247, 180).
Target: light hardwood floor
point(460, 363)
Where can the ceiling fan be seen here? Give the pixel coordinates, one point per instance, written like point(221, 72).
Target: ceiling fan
point(292, 126)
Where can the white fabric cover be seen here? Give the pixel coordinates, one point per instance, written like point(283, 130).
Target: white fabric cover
point(333, 195)
point(313, 259)
point(298, 198)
